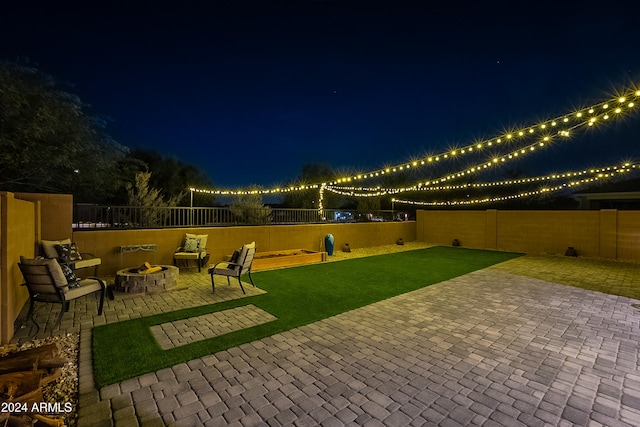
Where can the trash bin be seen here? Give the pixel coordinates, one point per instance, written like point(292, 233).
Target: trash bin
point(328, 244)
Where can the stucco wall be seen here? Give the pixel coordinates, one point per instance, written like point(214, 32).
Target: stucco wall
point(628, 235)
point(17, 237)
point(606, 233)
point(549, 232)
point(58, 209)
point(441, 227)
point(223, 240)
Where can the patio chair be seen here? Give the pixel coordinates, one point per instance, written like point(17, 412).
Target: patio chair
point(67, 251)
point(236, 266)
point(46, 282)
point(194, 248)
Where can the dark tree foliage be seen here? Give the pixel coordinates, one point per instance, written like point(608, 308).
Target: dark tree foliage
point(50, 143)
point(313, 173)
point(175, 177)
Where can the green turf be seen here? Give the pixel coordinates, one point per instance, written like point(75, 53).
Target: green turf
point(296, 296)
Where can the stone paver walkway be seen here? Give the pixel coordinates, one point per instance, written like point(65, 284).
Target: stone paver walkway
point(186, 331)
point(509, 345)
point(490, 348)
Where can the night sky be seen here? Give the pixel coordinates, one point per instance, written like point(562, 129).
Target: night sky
point(252, 91)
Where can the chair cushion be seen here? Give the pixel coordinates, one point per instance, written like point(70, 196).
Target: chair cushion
point(235, 256)
point(202, 238)
point(191, 244)
point(223, 270)
point(86, 262)
point(69, 275)
point(54, 266)
point(187, 255)
point(68, 252)
point(243, 254)
point(49, 247)
point(86, 286)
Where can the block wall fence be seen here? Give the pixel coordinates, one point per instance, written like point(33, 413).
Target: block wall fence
point(607, 233)
point(222, 241)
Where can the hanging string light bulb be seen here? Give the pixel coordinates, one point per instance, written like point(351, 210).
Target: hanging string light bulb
point(579, 176)
point(561, 126)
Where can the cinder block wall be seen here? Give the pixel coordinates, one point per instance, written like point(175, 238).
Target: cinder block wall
point(605, 234)
point(549, 232)
point(223, 240)
point(628, 235)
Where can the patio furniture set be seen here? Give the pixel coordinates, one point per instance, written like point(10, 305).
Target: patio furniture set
point(51, 278)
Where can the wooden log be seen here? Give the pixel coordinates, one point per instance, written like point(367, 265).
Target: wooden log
point(15, 387)
point(22, 376)
point(50, 349)
point(16, 384)
point(30, 398)
point(151, 270)
point(28, 365)
point(8, 420)
point(50, 377)
point(49, 421)
point(32, 357)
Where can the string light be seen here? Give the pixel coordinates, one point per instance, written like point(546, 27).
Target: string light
point(321, 202)
point(601, 172)
point(505, 198)
point(594, 109)
point(485, 199)
point(597, 111)
point(277, 190)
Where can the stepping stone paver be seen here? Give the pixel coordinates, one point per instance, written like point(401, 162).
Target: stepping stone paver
point(186, 331)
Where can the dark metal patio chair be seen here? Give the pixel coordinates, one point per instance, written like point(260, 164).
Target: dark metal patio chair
point(236, 267)
point(46, 282)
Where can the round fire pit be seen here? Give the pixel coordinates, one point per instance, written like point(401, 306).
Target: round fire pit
point(130, 281)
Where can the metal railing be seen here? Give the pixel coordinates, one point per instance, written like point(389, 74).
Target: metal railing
point(122, 217)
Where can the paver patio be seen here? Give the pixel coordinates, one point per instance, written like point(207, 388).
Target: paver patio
point(494, 347)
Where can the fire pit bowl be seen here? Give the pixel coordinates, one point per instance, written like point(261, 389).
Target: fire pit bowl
point(130, 280)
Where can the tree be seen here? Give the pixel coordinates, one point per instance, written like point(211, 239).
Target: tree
point(49, 142)
point(369, 204)
point(313, 173)
point(249, 209)
point(175, 177)
point(153, 210)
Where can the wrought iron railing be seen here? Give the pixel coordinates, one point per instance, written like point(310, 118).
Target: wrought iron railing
point(95, 216)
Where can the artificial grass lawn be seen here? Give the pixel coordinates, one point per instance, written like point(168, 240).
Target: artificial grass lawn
point(296, 296)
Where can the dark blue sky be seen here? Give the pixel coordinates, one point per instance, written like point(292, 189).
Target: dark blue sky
point(251, 91)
